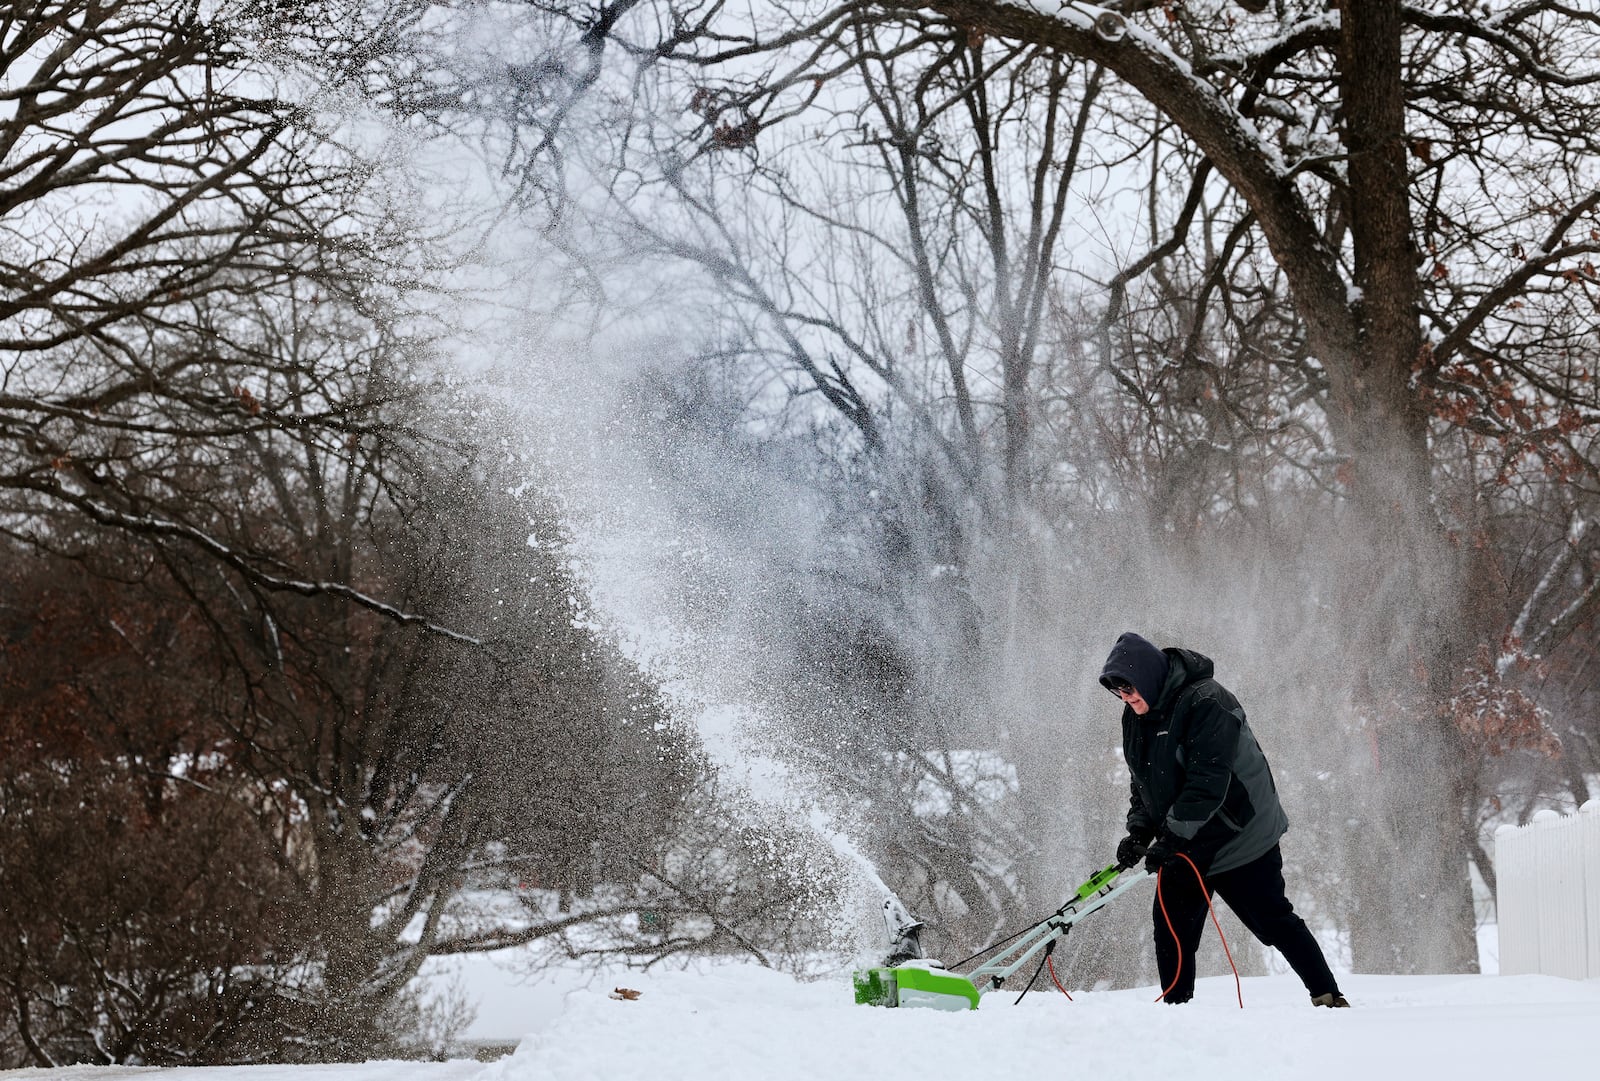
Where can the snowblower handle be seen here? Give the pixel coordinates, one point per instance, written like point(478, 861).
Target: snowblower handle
point(1090, 897)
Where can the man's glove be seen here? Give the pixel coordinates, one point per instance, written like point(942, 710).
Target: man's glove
point(1131, 850)
point(1167, 846)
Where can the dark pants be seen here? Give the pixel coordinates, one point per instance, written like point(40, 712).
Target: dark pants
point(1255, 893)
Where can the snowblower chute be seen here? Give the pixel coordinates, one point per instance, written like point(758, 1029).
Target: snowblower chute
point(906, 978)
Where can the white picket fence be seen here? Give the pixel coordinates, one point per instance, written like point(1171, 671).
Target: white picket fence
point(1548, 894)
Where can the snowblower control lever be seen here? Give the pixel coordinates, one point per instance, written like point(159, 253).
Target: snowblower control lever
point(1098, 882)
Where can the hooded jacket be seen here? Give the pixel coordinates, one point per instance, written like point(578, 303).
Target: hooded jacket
point(1198, 772)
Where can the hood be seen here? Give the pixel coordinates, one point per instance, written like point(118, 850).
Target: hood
point(1184, 666)
point(1138, 661)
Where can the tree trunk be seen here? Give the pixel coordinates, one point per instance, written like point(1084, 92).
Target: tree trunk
point(1414, 909)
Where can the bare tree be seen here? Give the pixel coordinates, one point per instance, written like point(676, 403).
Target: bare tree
point(164, 170)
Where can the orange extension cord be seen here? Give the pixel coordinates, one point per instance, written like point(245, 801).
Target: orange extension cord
point(1050, 962)
point(1238, 989)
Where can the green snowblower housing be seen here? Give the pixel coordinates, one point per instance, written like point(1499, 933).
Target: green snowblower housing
point(913, 985)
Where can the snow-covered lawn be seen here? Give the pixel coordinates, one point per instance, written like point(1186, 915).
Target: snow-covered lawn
point(738, 1022)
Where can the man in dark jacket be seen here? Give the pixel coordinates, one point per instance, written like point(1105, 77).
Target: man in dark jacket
point(1202, 789)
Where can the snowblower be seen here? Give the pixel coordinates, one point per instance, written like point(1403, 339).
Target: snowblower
point(906, 978)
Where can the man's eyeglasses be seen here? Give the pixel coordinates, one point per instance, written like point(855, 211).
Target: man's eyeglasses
point(1118, 686)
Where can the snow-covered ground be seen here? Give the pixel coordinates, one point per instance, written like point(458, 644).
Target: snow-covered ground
point(737, 1022)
